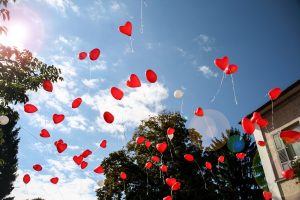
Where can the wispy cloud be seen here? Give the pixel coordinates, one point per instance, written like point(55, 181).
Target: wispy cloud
point(207, 72)
point(205, 42)
point(62, 6)
point(99, 9)
point(182, 52)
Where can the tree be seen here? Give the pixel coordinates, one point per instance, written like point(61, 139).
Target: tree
point(150, 184)
point(8, 152)
point(234, 179)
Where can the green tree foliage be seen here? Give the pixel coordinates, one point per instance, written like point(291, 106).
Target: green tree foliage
point(20, 72)
point(8, 152)
point(149, 184)
point(234, 179)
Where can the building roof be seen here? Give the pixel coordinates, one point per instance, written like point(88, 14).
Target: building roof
point(283, 96)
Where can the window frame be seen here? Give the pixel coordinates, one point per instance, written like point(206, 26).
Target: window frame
point(277, 131)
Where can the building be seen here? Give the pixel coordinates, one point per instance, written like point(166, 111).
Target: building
point(277, 156)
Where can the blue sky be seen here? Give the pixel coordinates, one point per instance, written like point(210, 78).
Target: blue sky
point(179, 42)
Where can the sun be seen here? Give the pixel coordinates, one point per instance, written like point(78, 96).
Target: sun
point(17, 35)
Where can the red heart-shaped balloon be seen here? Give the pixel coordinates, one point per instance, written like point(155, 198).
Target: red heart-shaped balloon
point(47, 85)
point(161, 147)
point(94, 54)
point(189, 157)
point(148, 165)
point(290, 136)
point(86, 153)
point(222, 63)
point(170, 131)
point(248, 126)
point(59, 141)
point(44, 133)
point(231, 69)
point(54, 180)
point(199, 112)
point(208, 165)
point(123, 175)
point(139, 139)
point(164, 168)
point(176, 186)
point(82, 55)
point(26, 178)
point(57, 118)
point(147, 144)
point(262, 122)
point(76, 103)
point(103, 144)
point(151, 76)
point(30, 108)
point(126, 29)
point(61, 147)
point(170, 181)
point(274, 93)
point(83, 165)
point(267, 195)
point(108, 117)
point(168, 198)
point(78, 159)
point(288, 174)
point(37, 167)
point(221, 159)
point(116, 93)
point(155, 159)
point(133, 81)
point(261, 143)
point(240, 156)
point(255, 117)
point(99, 170)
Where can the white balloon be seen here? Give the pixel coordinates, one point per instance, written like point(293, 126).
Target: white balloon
point(4, 120)
point(178, 94)
point(170, 136)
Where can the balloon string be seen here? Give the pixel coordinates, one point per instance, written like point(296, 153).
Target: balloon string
point(201, 174)
point(147, 181)
point(124, 187)
point(123, 123)
point(219, 89)
point(181, 106)
point(272, 115)
point(131, 46)
point(170, 149)
point(208, 126)
point(233, 89)
point(142, 25)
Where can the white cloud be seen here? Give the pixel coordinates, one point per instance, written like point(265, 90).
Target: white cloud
point(115, 6)
point(207, 72)
point(205, 42)
point(71, 184)
point(62, 6)
point(137, 104)
point(91, 83)
point(100, 65)
point(70, 42)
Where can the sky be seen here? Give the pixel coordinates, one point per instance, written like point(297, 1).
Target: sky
point(179, 41)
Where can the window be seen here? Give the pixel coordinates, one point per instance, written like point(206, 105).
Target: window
point(287, 152)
